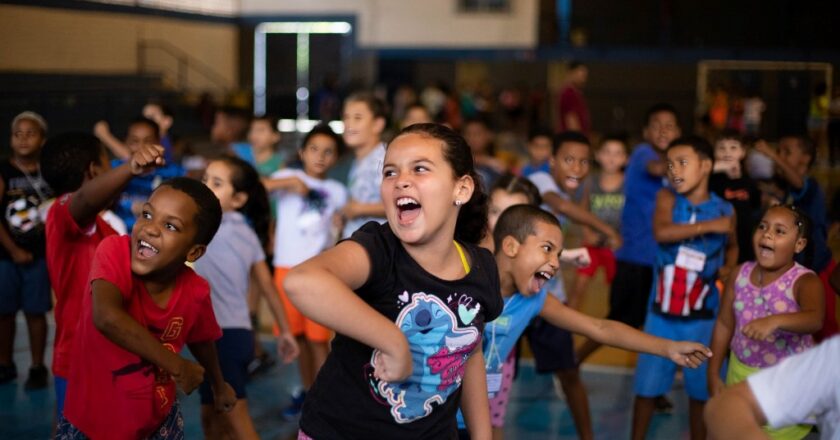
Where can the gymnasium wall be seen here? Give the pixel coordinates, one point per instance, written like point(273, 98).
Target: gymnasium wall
point(47, 40)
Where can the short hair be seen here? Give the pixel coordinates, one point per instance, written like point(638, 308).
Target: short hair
point(519, 221)
point(699, 145)
point(209, 214)
point(480, 120)
point(805, 144)
point(513, 184)
point(729, 134)
point(31, 116)
point(270, 119)
point(66, 157)
point(326, 130)
point(661, 107)
point(620, 137)
point(570, 136)
point(375, 105)
point(165, 109)
point(540, 131)
point(142, 120)
point(574, 64)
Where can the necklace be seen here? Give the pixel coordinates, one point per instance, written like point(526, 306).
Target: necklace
point(34, 182)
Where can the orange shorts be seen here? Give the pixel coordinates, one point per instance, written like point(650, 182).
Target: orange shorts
point(299, 325)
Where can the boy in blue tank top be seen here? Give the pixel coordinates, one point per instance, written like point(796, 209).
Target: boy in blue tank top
point(696, 234)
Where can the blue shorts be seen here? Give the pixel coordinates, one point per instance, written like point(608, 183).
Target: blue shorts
point(25, 287)
point(655, 374)
point(172, 428)
point(552, 346)
point(60, 393)
point(236, 350)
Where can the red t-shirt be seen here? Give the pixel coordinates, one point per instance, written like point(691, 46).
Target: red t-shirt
point(571, 101)
point(70, 250)
point(111, 392)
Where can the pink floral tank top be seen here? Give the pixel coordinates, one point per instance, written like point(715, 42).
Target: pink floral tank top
point(752, 302)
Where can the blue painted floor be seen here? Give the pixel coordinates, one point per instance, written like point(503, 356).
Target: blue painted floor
point(535, 412)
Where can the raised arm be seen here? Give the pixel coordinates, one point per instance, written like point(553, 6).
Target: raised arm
point(95, 194)
point(583, 216)
point(354, 209)
point(617, 334)
point(722, 335)
point(292, 184)
point(330, 278)
point(102, 131)
point(111, 319)
point(786, 171)
point(666, 231)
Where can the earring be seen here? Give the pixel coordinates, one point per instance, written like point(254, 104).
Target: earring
point(458, 203)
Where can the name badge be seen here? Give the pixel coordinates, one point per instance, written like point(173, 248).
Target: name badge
point(494, 382)
point(690, 259)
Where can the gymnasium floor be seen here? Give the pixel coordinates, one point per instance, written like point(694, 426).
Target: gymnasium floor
point(535, 411)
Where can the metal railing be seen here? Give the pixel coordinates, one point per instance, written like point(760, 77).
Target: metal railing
point(185, 64)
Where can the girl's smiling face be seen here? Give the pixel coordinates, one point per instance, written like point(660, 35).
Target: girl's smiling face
point(420, 190)
point(777, 238)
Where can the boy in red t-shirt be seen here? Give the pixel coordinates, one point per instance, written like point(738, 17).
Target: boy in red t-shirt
point(144, 305)
point(77, 168)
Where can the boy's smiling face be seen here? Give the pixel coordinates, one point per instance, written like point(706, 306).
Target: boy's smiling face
point(163, 237)
point(570, 165)
point(536, 260)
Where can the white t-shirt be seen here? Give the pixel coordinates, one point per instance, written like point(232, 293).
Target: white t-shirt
point(803, 389)
point(363, 182)
point(304, 223)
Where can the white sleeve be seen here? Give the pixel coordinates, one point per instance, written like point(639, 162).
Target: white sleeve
point(338, 194)
point(544, 182)
point(800, 387)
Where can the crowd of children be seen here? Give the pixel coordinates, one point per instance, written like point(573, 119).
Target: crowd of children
point(403, 282)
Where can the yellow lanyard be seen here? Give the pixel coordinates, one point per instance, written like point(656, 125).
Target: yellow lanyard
point(463, 257)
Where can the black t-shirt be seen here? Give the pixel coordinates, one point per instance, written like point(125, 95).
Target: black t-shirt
point(443, 322)
point(22, 214)
point(745, 197)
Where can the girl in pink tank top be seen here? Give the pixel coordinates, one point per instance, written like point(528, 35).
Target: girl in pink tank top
point(770, 307)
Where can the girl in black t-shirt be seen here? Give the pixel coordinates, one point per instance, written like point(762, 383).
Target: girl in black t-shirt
point(408, 300)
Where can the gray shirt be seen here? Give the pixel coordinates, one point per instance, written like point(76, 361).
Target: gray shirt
point(227, 267)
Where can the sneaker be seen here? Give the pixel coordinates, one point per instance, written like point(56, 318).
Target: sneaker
point(662, 405)
point(260, 364)
point(8, 373)
point(292, 411)
point(37, 378)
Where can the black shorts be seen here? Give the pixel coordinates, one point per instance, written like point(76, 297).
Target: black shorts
point(552, 346)
point(235, 349)
point(629, 293)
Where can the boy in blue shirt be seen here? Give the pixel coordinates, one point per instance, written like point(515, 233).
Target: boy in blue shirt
point(695, 230)
point(529, 243)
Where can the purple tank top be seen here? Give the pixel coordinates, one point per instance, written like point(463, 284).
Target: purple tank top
point(752, 302)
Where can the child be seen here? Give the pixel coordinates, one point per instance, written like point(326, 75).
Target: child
point(234, 261)
point(364, 121)
point(77, 168)
point(731, 183)
point(529, 244)
point(154, 111)
point(695, 230)
point(408, 301)
point(553, 346)
point(480, 137)
point(264, 136)
point(539, 152)
point(606, 200)
point(143, 305)
point(794, 159)
point(644, 177)
point(23, 267)
point(142, 132)
point(306, 201)
point(770, 307)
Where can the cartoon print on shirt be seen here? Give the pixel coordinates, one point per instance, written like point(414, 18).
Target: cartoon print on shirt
point(439, 351)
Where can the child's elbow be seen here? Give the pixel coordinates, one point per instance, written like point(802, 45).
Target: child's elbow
point(104, 321)
point(295, 283)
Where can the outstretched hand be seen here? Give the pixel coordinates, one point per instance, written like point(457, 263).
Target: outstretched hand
point(688, 354)
point(224, 399)
point(188, 376)
point(577, 257)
